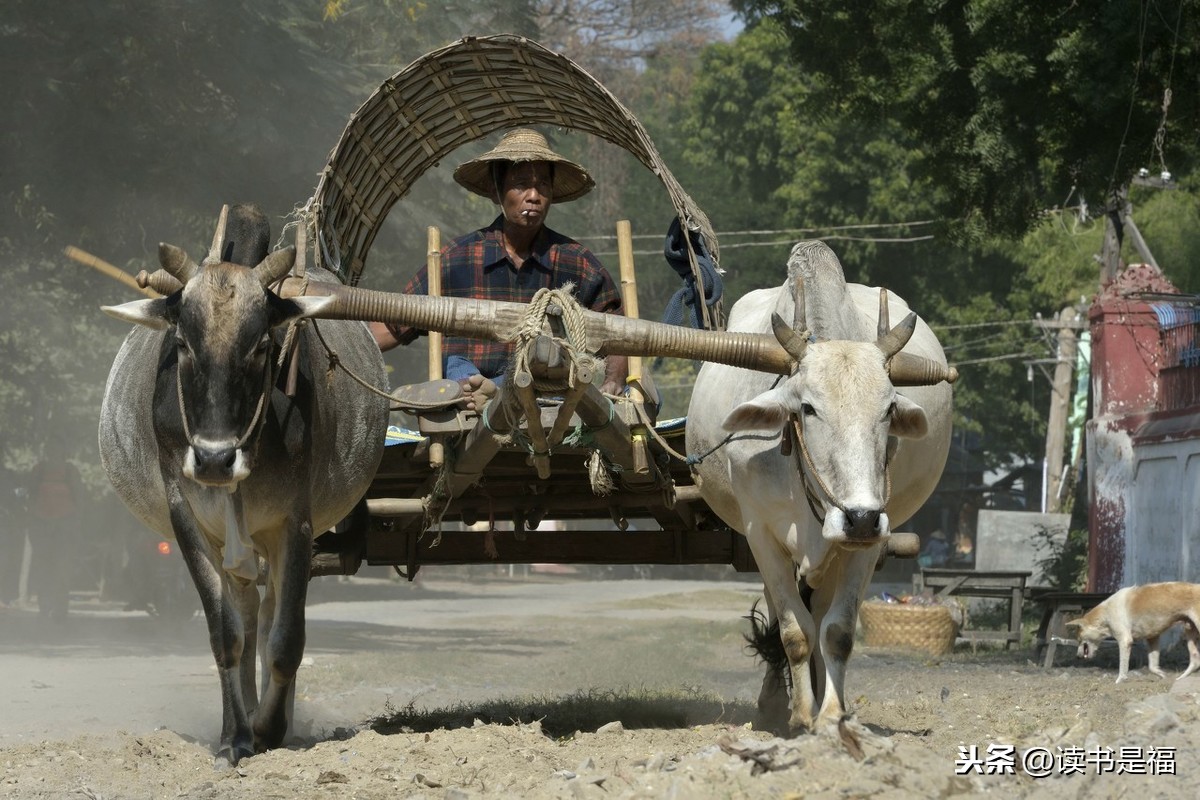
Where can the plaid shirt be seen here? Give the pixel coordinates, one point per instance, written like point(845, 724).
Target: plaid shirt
point(477, 266)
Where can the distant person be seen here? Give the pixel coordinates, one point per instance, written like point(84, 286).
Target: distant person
point(513, 258)
point(12, 535)
point(964, 541)
point(936, 551)
point(964, 550)
point(55, 502)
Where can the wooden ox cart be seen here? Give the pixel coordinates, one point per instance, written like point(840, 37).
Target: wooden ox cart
point(550, 446)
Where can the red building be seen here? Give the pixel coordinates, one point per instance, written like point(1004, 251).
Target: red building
point(1143, 439)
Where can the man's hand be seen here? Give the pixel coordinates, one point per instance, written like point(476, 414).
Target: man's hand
point(383, 335)
point(616, 370)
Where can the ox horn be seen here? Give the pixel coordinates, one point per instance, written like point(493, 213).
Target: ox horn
point(895, 339)
point(907, 369)
point(176, 262)
point(275, 265)
point(792, 342)
point(214, 250)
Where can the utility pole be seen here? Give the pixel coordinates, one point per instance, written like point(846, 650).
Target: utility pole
point(1060, 404)
point(1114, 232)
point(1119, 221)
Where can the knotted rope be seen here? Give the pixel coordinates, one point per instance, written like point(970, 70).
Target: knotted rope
point(574, 345)
point(533, 325)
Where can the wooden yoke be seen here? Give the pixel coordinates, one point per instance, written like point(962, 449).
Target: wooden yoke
point(607, 334)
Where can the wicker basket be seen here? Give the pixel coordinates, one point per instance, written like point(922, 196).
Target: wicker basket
point(913, 627)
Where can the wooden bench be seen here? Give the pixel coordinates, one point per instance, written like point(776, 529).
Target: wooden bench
point(1057, 609)
point(997, 584)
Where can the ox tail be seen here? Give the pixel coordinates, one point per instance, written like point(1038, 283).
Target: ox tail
point(763, 643)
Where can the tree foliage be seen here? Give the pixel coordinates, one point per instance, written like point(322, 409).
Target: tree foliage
point(1017, 106)
point(887, 129)
point(127, 124)
point(822, 118)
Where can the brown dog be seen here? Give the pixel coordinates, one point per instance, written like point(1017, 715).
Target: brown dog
point(1143, 612)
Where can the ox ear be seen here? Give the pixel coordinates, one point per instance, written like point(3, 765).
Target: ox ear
point(908, 420)
point(151, 313)
point(765, 412)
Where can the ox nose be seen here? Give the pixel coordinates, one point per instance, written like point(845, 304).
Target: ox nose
point(215, 465)
point(862, 523)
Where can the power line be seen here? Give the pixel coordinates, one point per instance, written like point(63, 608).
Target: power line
point(787, 231)
point(1133, 92)
point(973, 342)
point(1007, 357)
point(783, 242)
point(855, 227)
point(967, 325)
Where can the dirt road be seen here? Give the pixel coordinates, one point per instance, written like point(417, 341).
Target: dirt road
point(114, 705)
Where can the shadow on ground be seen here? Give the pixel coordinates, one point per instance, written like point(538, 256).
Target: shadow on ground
point(562, 717)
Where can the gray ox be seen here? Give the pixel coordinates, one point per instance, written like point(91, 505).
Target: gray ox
point(864, 458)
point(203, 445)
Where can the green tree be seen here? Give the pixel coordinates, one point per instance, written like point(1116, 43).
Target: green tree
point(128, 124)
point(757, 161)
point(1170, 222)
point(1017, 105)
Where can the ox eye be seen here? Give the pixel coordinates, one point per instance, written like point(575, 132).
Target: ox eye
point(807, 410)
point(181, 346)
point(263, 344)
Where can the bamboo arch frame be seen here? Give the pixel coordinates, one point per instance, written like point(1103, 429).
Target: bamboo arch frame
point(448, 98)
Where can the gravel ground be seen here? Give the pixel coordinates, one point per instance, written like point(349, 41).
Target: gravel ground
point(99, 712)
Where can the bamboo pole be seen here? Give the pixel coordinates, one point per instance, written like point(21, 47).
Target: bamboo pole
point(641, 455)
point(434, 270)
point(100, 265)
point(630, 298)
point(433, 264)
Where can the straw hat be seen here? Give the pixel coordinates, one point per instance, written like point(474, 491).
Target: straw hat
point(571, 181)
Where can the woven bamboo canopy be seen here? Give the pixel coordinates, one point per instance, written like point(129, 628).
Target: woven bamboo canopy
point(451, 97)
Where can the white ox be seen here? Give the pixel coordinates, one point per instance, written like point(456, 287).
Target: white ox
point(867, 454)
point(203, 443)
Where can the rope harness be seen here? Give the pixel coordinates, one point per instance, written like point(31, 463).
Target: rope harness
point(335, 362)
point(256, 420)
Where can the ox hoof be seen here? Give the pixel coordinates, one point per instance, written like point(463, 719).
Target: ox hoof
point(800, 727)
point(854, 737)
point(229, 756)
point(776, 723)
